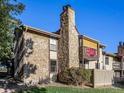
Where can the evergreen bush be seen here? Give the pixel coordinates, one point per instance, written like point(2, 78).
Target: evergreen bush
point(75, 76)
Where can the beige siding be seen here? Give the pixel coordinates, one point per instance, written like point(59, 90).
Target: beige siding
point(109, 66)
point(90, 65)
point(101, 59)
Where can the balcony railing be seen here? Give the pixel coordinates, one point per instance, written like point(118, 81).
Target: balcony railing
point(118, 65)
point(122, 65)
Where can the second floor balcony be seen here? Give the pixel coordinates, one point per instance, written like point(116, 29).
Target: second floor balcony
point(118, 65)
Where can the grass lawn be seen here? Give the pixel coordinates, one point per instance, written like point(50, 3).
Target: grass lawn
point(71, 90)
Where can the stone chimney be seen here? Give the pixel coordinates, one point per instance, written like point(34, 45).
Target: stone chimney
point(70, 12)
point(120, 43)
point(69, 42)
point(121, 49)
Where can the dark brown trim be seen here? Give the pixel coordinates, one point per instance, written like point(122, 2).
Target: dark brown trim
point(98, 54)
point(41, 32)
point(109, 54)
point(101, 45)
point(49, 57)
point(79, 50)
point(83, 53)
point(88, 38)
point(57, 58)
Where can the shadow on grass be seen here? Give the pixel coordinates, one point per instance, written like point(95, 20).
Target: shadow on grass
point(21, 88)
point(33, 90)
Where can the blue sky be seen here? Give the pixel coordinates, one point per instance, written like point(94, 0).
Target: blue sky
point(100, 19)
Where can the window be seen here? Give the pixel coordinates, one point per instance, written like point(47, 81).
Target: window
point(107, 60)
point(53, 66)
point(53, 44)
point(53, 47)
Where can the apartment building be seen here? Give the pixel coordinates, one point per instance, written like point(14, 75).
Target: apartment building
point(41, 55)
point(36, 54)
point(118, 64)
point(92, 55)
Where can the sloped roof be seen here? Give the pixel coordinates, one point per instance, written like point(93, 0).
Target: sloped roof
point(41, 32)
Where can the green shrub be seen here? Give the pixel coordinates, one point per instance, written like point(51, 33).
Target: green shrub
point(86, 74)
point(75, 76)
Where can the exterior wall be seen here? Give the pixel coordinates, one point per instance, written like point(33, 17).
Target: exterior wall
point(103, 77)
point(90, 65)
point(89, 43)
point(101, 59)
point(104, 65)
point(73, 40)
point(37, 62)
point(109, 66)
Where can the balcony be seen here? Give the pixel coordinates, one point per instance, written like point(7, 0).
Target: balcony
point(118, 65)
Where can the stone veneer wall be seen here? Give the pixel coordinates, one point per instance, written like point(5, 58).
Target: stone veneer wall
point(69, 42)
point(73, 40)
point(37, 61)
point(63, 49)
